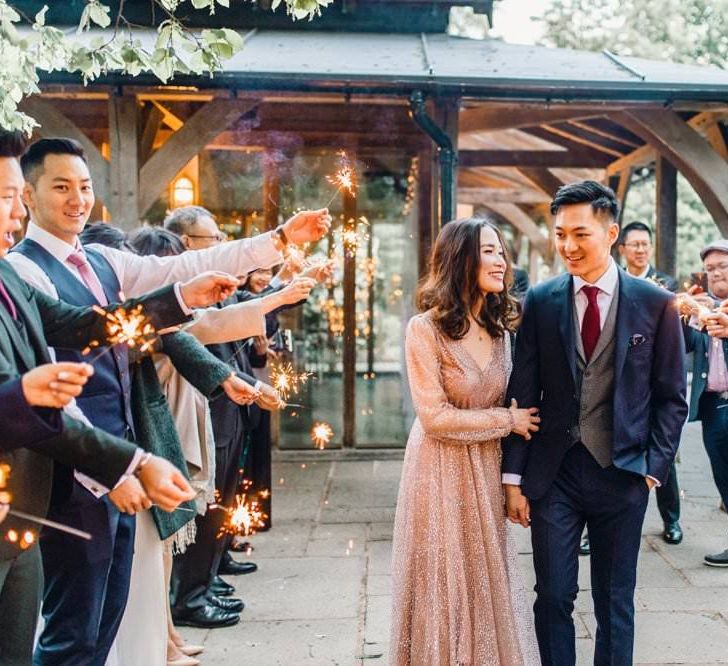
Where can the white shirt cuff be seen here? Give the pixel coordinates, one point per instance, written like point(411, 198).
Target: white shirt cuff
point(511, 479)
point(258, 385)
point(178, 293)
point(657, 483)
point(97, 489)
point(138, 455)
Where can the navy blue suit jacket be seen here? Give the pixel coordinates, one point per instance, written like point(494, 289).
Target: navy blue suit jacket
point(649, 394)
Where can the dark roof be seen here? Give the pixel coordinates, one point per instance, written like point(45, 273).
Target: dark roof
point(448, 65)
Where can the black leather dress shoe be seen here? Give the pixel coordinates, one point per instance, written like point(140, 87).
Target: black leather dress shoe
point(673, 533)
point(227, 604)
point(233, 568)
point(220, 588)
point(584, 547)
point(717, 560)
point(206, 617)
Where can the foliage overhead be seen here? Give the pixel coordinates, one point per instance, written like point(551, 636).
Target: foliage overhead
point(105, 41)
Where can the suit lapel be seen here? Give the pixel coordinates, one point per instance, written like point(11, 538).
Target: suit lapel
point(564, 302)
point(627, 311)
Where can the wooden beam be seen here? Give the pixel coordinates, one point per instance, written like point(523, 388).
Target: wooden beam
point(677, 141)
point(152, 124)
point(544, 179)
point(201, 128)
point(702, 122)
point(497, 195)
point(593, 138)
point(500, 117)
point(717, 138)
point(123, 201)
point(349, 342)
point(531, 158)
point(523, 222)
point(572, 143)
point(54, 124)
point(666, 216)
point(608, 130)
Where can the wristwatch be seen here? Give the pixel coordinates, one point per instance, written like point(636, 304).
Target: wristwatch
point(281, 235)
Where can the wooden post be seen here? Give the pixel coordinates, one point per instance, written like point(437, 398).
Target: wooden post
point(124, 165)
point(271, 191)
point(666, 209)
point(349, 355)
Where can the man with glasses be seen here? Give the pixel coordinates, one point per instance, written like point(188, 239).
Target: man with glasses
point(709, 392)
point(195, 226)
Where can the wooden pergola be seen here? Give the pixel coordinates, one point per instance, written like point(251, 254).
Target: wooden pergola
point(495, 126)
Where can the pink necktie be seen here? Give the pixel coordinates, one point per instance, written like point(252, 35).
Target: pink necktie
point(78, 259)
point(7, 301)
point(591, 326)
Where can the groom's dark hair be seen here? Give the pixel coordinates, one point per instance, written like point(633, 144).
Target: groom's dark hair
point(602, 198)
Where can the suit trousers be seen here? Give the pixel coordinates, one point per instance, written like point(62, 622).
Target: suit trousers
point(713, 413)
point(668, 497)
point(195, 568)
point(612, 504)
point(258, 464)
point(21, 591)
point(86, 582)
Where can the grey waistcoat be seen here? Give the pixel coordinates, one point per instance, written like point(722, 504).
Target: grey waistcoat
point(595, 388)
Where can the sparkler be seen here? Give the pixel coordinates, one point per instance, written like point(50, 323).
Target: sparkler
point(688, 307)
point(245, 518)
point(321, 434)
point(343, 179)
point(286, 380)
point(129, 327)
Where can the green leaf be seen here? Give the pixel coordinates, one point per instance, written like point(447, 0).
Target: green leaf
point(233, 38)
point(40, 17)
point(202, 4)
point(99, 14)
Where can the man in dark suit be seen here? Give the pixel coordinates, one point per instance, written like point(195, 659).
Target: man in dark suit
point(601, 355)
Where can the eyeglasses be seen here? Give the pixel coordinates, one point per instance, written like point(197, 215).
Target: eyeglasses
point(718, 267)
point(220, 237)
point(639, 245)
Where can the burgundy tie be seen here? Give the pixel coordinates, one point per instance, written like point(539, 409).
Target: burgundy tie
point(591, 326)
point(7, 301)
point(78, 259)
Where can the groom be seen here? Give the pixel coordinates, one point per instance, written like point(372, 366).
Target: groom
point(600, 353)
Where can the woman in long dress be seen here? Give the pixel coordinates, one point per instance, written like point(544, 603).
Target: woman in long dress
point(457, 594)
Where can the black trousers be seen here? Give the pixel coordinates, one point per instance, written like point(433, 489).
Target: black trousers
point(194, 569)
point(611, 503)
point(258, 464)
point(668, 497)
point(86, 582)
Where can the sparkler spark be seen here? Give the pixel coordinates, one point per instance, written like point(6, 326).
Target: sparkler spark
point(321, 434)
point(129, 327)
point(286, 380)
point(344, 178)
point(688, 307)
point(245, 518)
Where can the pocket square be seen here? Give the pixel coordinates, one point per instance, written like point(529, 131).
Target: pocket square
point(636, 339)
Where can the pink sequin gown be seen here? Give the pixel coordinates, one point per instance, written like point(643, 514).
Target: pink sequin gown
point(458, 598)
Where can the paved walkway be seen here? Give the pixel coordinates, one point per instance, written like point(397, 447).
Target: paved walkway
point(321, 595)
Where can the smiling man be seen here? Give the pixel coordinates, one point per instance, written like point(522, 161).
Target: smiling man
point(600, 353)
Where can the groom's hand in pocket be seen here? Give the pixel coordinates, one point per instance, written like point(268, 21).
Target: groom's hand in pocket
point(518, 509)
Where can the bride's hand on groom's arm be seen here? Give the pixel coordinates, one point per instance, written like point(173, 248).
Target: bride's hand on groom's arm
point(525, 421)
point(518, 510)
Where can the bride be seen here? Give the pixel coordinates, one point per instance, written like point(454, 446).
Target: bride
point(457, 595)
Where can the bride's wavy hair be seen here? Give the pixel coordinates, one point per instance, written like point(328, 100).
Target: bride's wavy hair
point(450, 288)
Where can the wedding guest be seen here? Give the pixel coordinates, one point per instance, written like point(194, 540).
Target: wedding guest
point(709, 390)
point(458, 597)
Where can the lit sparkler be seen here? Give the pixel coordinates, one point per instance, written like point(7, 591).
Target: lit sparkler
point(245, 518)
point(344, 178)
point(286, 380)
point(321, 434)
point(129, 327)
point(688, 307)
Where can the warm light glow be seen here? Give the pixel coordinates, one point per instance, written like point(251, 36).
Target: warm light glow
point(321, 434)
point(183, 192)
